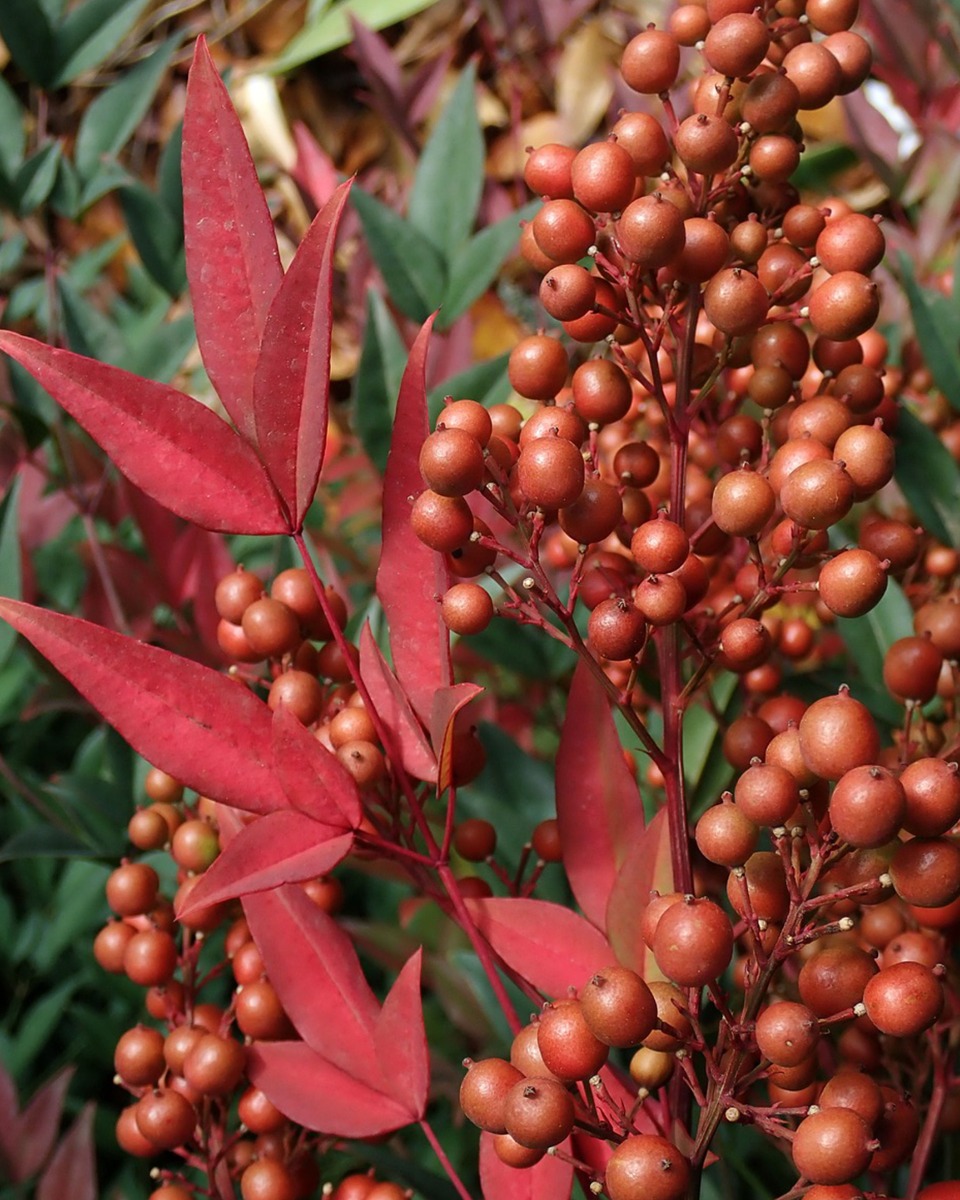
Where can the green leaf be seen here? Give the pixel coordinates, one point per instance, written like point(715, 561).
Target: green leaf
point(474, 265)
point(38, 1026)
point(821, 164)
point(936, 321)
point(29, 38)
point(160, 355)
point(10, 574)
point(158, 238)
point(86, 268)
point(111, 120)
point(169, 181)
point(868, 638)
point(522, 649)
point(449, 178)
point(475, 383)
point(109, 177)
point(44, 841)
point(77, 906)
point(36, 178)
point(929, 478)
point(700, 728)
point(382, 360)
point(331, 29)
point(88, 34)
point(411, 265)
point(88, 331)
point(65, 194)
point(13, 134)
point(12, 251)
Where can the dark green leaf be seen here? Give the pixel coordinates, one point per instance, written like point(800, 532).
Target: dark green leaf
point(157, 237)
point(85, 270)
point(936, 321)
point(37, 1027)
point(111, 120)
point(522, 649)
point(90, 33)
point(382, 360)
point(169, 181)
point(13, 134)
point(331, 29)
point(10, 577)
point(449, 179)
point(820, 164)
point(868, 638)
point(88, 331)
point(65, 194)
point(109, 177)
point(29, 38)
point(700, 728)
point(475, 383)
point(76, 906)
point(160, 355)
point(11, 252)
point(474, 264)
point(929, 478)
point(411, 265)
point(36, 178)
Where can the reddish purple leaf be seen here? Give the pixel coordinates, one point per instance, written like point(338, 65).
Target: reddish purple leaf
point(549, 1179)
point(446, 704)
point(320, 1095)
point(394, 708)
point(72, 1171)
point(9, 1118)
point(281, 847)
point(37, 1127)
point(232, 260)
point(208, 731)
point(313, 170)
point(174, 448)
point(401, 1041)
point(598, 802)
point(646, 868)
point(291, 387)
point(547, 944)
point(411, 577)
point(315, 781)
point(314, 967)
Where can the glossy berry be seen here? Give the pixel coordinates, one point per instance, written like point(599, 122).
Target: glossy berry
point(132, 889)
point(138, 1058)
point(601, 391)
point(837, 733)
point(150, 957)
point(651, 232)
point(618, 1006)
point(651, 61)
point(832, 1146)
point(550, 472)
point(742, 504)
point(300, 694)
point(787, 1033)
point(852, 583)
point(659, 546)
point(484, 1090)
point(547, 171)
point(267, 1179)
point(736, 301)
point(926, 871)
point(443, 523)
point(693, 943)
point(767, 794)
point(646, 1167)
point(567, 292)
point(569, 1049)
point(616, 629)
point(706, 144)
point(867, 806)
point(466, 608)
point(726, 836)
point(165, 1118)
point(451, 462)
point(537, 367)
point(546, 841)
point(564, 231)
point(475, 839)
point(833, 979)
point(904, 999)
point(271, 628)
point(932, 790)
point(214, 1065)
point(603, 177)
point(911, 669)
point(595, 513)
point(538, 1113)
point(737, 44)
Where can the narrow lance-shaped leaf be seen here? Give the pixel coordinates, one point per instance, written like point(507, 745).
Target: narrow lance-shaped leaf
point(313, 966)
point(282, 847)
point(401, 1041)
point(647, 868)
point(233, 264)
point(318, 1094)
point(291, 387)
point(171, 446)
point(393, 706)
point(598, 802)
point(411, 577)
point(72, 1170)
point(315, 780)
point(446, 704)
point(38, 1124)
point(206, 730)
point(547, 944)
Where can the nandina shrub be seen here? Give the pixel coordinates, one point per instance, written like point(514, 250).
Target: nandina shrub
point(314, 746)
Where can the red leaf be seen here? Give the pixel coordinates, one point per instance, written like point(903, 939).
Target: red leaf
point(598, 802)
point(446, 704)
point(37, 1127)
point(171, 446)
point(315, 780)
point(395, 711)
point(318, 1094)
point(411, 577)
point(291, 387)
point(281, 847)
point(313, 966)
point(9, 1116)
point(646, 868)
point(547, 944)
point(232, 260)
point(72, 1171)
point(208, 731)
point(401, 1041)
point(549, 1179)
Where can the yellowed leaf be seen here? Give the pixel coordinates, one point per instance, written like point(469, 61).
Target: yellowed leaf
point(508, 152)
point(495, 331)
point(585, 81)
point(264, 121)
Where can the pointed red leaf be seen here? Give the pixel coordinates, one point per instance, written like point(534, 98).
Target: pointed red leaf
point(315, 780)
point(10, 1147)
point(395, 711)
point(38, 1125)
point(291, 387)
point(320, 1095)
point(401, 1041)
point(314, 967)
point(598, 802)
point(232, 260)
point(72, 1171)
point(208, 731)
point(314, 169)
point(174, 448)
point(646, 868)
point(411, 577)
point(281, 847)
point(546, 943)
point(446, 704)
point(549, 1179)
